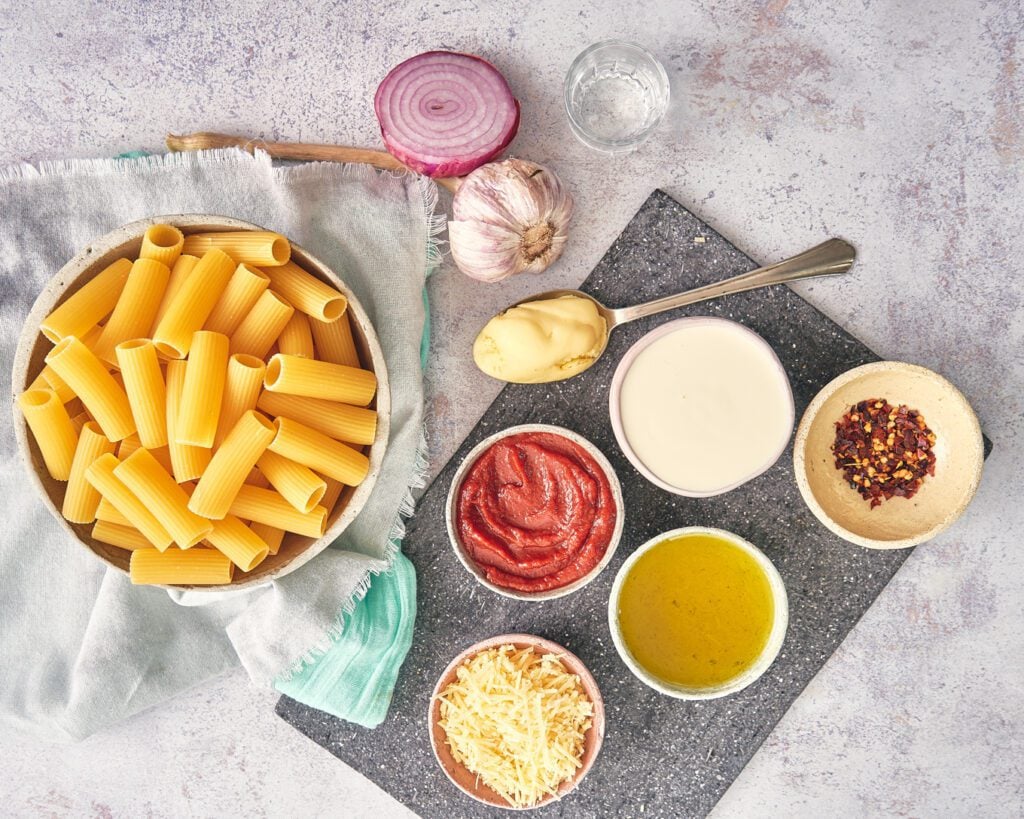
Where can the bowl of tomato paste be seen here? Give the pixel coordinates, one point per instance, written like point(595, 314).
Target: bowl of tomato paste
point(535, 512)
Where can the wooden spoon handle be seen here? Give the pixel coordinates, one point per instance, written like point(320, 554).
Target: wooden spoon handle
point(296, 150)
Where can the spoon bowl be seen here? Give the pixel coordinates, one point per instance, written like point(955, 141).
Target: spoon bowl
point(830, 258)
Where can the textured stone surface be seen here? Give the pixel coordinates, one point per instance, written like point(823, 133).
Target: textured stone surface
point(895, 125)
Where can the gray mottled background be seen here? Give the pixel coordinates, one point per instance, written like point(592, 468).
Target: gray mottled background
point(897, 125)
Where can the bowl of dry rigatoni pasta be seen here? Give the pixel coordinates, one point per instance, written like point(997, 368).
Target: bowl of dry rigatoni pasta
point(202, 403)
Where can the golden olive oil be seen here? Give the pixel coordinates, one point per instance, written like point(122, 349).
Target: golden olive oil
point(696, 610)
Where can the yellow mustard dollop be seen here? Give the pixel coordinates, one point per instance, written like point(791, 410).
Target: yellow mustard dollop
point(541, 341)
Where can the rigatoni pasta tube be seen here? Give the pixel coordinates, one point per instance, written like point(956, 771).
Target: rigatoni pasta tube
point(196, 567)
point(88, 377)
point(242, 388)
point(79, 420)
point(132, 443)
point(296, 338)
point(230, 466)
point(81, 498)
point(330, 498)
point(151, 484)
point(238, 542)
point(259, 330)
point(320, 379)
point(87, 306)
point(106, 511)
point(298, 484)
point(100, 473)
point(123, 537)
point(245, 286)
point(192, 304)
point(147, 393)
point(203, 390)
point(270, 535)
point(188, 462)
point(334, 341)
point(133, 316)
point(52, 428)
point(268, 507)
point(181, 271)
point(306, 292)
point(91, 337)
point(259, 247)
point(162, 243)
point(354, 425)
point(320, 453)
point(57, 384)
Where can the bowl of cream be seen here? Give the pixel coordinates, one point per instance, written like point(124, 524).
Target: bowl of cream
point(701, 405)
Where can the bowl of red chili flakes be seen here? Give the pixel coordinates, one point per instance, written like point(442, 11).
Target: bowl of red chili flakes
point(888, 455)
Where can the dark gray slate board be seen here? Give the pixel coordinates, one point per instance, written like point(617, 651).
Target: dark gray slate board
point(660, 755)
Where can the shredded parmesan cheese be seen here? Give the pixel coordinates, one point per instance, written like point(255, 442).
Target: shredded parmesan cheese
point(516, 719)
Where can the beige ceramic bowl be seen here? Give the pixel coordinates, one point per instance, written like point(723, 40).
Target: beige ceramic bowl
point(453, 495)
point(776, 637)
point(465, 780)
point(898, 522)
point(125, 242)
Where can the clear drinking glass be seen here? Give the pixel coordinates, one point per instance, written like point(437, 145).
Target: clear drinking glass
point(616, 93)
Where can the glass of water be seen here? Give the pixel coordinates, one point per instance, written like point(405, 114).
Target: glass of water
point(616, 93)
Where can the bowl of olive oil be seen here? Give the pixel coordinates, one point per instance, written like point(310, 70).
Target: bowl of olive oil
point(698, 613)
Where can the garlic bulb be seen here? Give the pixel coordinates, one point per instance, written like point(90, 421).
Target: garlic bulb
point(508, 217)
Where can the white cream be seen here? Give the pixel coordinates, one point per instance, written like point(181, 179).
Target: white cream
point(706, 406)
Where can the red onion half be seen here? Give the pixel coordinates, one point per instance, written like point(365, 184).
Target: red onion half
point(445, 114)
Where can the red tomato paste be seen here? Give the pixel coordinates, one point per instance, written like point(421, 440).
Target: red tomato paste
point(535, 512)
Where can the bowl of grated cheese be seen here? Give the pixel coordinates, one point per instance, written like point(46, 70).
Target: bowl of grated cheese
point(516, 721)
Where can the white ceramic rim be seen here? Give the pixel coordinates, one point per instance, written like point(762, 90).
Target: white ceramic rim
point(616, 414)
point(49, 296)
point(470, 564)
point(550, 646)
point(800, 449)
point(776, 636)
point(604, 145)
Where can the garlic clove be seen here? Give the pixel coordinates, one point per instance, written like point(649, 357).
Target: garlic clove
point(484, 251)
point(555, 202)
point(485, 197)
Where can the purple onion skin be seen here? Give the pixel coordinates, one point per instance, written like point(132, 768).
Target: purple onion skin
point(452, 167)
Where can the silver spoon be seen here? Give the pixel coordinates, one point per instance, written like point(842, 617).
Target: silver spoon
point(830, 258)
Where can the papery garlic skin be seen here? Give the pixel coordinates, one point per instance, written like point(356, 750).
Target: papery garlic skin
point(509, 217)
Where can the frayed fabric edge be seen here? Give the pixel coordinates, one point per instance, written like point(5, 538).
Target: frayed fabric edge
point(27, 171)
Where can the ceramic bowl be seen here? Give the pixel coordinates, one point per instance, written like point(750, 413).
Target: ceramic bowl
point(465, 780)
point(453, 493)
point(125, 242)
point(614, 402)
point(898, 522)
point(771, 649)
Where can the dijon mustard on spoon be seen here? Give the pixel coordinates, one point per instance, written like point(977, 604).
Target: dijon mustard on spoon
point(558, 334)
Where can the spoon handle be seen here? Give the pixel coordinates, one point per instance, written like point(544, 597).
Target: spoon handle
point(295, 150)
point(827, 259)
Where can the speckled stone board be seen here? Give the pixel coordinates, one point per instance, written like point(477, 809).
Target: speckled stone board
point(661, 757)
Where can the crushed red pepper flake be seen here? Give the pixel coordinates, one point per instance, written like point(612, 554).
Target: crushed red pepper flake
point(884, 451)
